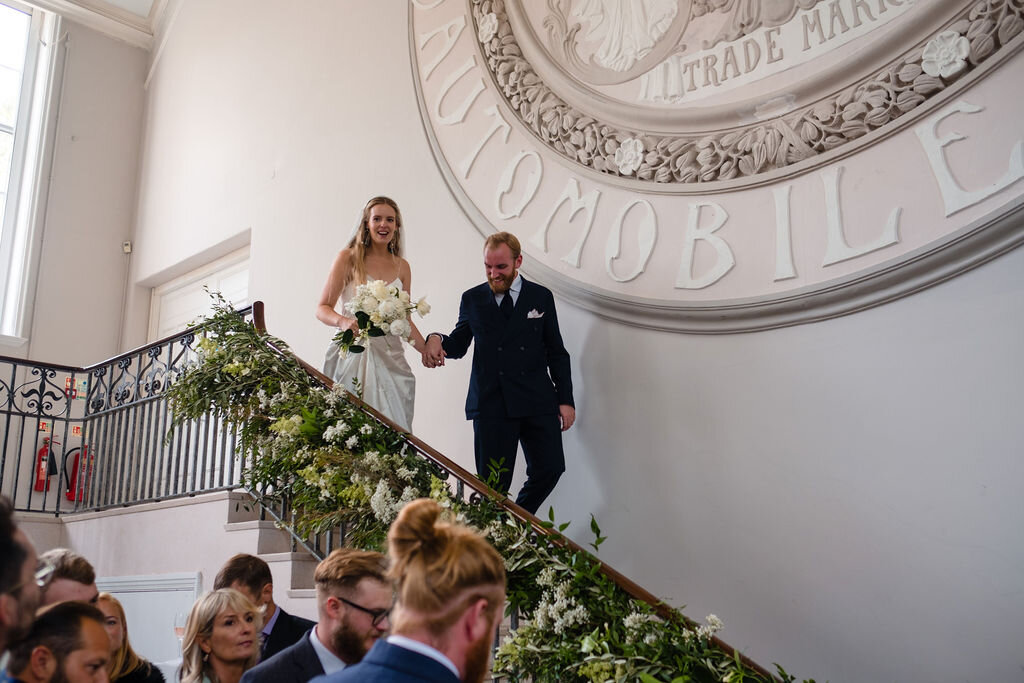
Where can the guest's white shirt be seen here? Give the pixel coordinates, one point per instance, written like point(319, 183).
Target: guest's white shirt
point(425, 650)
point(328, 660)
point(514, 290)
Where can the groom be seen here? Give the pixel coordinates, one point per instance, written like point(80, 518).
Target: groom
point(520, 390)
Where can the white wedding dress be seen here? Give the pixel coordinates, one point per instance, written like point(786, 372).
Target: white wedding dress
point(382, 372)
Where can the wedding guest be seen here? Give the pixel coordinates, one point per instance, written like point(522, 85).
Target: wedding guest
point(251, 576)
point(222, 639)
point(353, 598)
point(73, 577)
point(66, 644)
point(20, 580)
point(125, 665)
point(451, 591)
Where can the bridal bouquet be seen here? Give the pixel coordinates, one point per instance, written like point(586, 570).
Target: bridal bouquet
point(380, 309)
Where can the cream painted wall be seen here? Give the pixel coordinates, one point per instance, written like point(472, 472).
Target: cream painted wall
point(134, 542)
point(842, 494)
point(91, 204)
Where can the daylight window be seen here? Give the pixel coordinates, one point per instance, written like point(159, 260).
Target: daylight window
point(27, 49)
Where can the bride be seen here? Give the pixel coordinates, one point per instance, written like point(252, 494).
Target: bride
point(381, 372)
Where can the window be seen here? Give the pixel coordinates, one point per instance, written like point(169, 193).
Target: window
point(27, 57)
point(181, 302)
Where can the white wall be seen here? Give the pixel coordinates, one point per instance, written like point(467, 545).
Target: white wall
point(91, 203)
point(842, 494)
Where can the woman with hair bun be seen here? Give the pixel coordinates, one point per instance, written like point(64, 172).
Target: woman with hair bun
point(451, 594)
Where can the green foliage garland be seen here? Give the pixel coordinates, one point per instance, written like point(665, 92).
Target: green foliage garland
point(338, 465)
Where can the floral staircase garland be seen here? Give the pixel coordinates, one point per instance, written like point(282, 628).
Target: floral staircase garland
point(336, 463)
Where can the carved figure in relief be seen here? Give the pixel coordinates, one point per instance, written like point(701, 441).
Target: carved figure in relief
point(520, 390)
point(625, 30)
point(381, 373)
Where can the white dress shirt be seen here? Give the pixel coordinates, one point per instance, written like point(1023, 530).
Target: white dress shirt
point(328, 660)
point(514, 290)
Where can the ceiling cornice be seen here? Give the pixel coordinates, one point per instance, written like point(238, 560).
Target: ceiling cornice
point(108, 19)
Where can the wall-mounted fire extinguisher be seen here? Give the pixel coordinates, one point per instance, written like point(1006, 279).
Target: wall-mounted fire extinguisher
point(45, 466)
point(81, 466)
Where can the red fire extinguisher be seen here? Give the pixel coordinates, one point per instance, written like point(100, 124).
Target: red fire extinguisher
point(81, 466)
point(45, 466)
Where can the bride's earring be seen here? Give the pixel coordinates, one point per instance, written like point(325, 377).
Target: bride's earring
point(366, 237)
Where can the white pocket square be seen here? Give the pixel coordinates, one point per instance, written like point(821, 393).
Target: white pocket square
point(534, 314)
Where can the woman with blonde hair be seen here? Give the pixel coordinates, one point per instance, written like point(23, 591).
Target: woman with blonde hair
point(125, 666)
point(222, 638)
point(381, 372)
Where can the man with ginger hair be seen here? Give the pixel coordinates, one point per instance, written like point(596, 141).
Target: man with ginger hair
point(451, 596)
point(353, 596)
point(520, 387)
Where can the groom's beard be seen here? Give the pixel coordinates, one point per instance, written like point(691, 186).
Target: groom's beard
point(500, 285)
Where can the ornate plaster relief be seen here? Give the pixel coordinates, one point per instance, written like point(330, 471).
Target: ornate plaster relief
point(794, 215)
point(543, 86)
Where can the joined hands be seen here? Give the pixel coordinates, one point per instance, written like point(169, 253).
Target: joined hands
point(433, 353)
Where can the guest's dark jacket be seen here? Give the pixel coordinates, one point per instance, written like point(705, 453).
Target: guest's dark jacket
point(288, 629)
point(520, 365)
point(147, 673)
point(387, 663)
point(297, 663)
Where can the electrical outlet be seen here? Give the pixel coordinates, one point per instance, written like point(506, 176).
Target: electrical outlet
point(126, 247)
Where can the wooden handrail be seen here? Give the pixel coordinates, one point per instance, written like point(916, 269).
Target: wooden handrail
point(469, 479)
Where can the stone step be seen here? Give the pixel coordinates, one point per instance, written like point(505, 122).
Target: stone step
point(266, 536)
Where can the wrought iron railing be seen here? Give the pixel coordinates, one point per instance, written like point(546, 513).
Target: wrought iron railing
point(467, 486)
point(91, 438)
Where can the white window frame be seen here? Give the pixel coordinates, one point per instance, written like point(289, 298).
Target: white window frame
point(227, 264)
point(32, 156)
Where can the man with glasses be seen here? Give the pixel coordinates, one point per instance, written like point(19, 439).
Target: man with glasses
point(21, 577)
point(353, 599)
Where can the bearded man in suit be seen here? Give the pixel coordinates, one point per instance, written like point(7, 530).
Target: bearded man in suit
point(520, 389)
point(353, 598)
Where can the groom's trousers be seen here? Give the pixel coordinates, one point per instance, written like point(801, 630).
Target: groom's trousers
point(497, 439)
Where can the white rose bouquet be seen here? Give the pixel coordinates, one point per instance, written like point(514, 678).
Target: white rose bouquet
point(380, 309)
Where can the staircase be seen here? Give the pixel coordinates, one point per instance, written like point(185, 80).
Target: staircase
point(186, 480)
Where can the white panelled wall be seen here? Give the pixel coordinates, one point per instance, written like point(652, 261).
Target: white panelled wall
point(843, 494)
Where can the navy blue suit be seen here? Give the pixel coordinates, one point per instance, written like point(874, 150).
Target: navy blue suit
point(521, 374)
point(387, 663)
point(297, 663)
point(288, 629)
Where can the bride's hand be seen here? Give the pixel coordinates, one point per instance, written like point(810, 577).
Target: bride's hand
point(348, 324)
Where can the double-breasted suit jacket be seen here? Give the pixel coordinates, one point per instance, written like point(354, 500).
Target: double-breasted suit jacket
point(520, 365)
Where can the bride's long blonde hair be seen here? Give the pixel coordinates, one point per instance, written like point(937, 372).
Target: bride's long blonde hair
point(360, 241)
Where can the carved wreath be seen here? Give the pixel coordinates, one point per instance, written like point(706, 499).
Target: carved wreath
point(972, 36)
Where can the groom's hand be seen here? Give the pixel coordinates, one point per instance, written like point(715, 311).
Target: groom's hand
point(433, 353)
point(567, 414)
